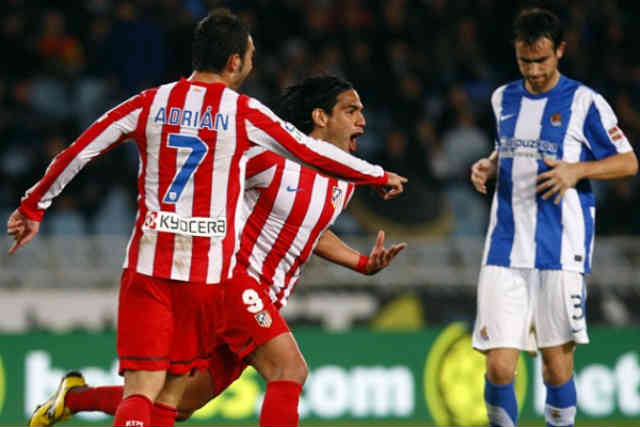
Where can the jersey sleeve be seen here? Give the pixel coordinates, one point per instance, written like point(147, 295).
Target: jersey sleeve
point(106, 132)
point(264, 128)
point(602, 134)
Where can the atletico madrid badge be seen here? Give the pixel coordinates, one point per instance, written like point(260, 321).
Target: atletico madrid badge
point(264, 319)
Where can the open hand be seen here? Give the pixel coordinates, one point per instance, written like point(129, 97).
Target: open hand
point(380, 257)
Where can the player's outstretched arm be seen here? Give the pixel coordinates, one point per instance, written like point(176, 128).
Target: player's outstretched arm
point(22, 229)
point(332, 248)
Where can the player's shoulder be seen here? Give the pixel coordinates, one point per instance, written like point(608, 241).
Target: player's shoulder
point(510, 87)
point(584, 96)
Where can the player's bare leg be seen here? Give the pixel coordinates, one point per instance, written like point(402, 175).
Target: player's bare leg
point(197, 393)
point(557, 373)
point(499, 394)
point(282, 365)
point(140, 391)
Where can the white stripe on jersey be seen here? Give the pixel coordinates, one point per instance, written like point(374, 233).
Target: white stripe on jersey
point(523, 197)
point(147, 245)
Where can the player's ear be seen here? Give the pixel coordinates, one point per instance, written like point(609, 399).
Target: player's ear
point(319, 117)
point(560, 49)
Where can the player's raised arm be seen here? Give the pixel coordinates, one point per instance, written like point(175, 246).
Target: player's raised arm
point(334, 249)
point(109, 130)
point(264, 128)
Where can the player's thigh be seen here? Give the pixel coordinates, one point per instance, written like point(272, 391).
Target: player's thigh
point(560, 316)
point(503, 309)
point(145, 323)
point(250, 319)
point(198, 392)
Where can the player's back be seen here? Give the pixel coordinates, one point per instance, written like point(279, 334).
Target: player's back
point(287, 207)
point(189, 182)
point(567, 123)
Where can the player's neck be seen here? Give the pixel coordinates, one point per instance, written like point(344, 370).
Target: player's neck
point(204, 77)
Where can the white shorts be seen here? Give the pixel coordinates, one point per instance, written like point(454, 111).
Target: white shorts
point(528, 309)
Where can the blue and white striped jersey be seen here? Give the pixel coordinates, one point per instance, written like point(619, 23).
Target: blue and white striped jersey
point(572, 123)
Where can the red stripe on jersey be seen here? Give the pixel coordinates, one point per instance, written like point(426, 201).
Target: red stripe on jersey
point(292, 224)
point(323, 221)
point(233, 189)
point(262, 162)
point(275, 130)
point(141, 141)
point(202, 187)
point(262, 209)
point(163, 258)
point(29, 204)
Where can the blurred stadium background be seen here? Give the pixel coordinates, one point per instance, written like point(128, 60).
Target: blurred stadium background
point(390, 349)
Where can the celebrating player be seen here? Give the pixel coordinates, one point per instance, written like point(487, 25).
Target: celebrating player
point(553, 135)
point(191, 135)
point(288, 208)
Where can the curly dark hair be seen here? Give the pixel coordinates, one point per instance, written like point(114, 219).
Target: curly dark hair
point(298, 101)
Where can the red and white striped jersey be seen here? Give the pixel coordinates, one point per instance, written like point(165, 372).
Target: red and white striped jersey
point(287, 208)
point(191, 138)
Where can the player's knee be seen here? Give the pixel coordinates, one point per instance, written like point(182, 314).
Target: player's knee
point(556, 372)
point(500, 371)
point(296, 370)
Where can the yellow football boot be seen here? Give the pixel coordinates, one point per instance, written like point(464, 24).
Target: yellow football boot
point(53, 410)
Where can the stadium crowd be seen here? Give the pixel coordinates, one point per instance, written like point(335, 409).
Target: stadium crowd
point(424, 69)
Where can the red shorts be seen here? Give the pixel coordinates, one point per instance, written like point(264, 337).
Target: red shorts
point(248, 318)
point(164, 325)
point(224, 368)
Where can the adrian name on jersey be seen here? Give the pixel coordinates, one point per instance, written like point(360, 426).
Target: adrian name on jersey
point(170, 222)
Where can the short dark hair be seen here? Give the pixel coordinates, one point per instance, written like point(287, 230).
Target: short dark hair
point(298, 101)
point(532, 23)
point(216, 37)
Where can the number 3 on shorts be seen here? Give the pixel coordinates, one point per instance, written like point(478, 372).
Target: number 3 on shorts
point(251, 298)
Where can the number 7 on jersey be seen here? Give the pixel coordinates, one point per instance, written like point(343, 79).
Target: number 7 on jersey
point(198, 150)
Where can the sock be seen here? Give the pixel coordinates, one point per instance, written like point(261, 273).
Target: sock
point(103, 399)
point(280, 406)
point(502, 406)
point(134, 411)
point(560, 406)
point(163, 415)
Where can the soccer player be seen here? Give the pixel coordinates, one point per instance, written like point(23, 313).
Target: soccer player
point(553, 135)
point(289, 208)
point(191, 135)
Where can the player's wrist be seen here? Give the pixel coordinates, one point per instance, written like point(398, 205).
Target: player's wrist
point(363, 261)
